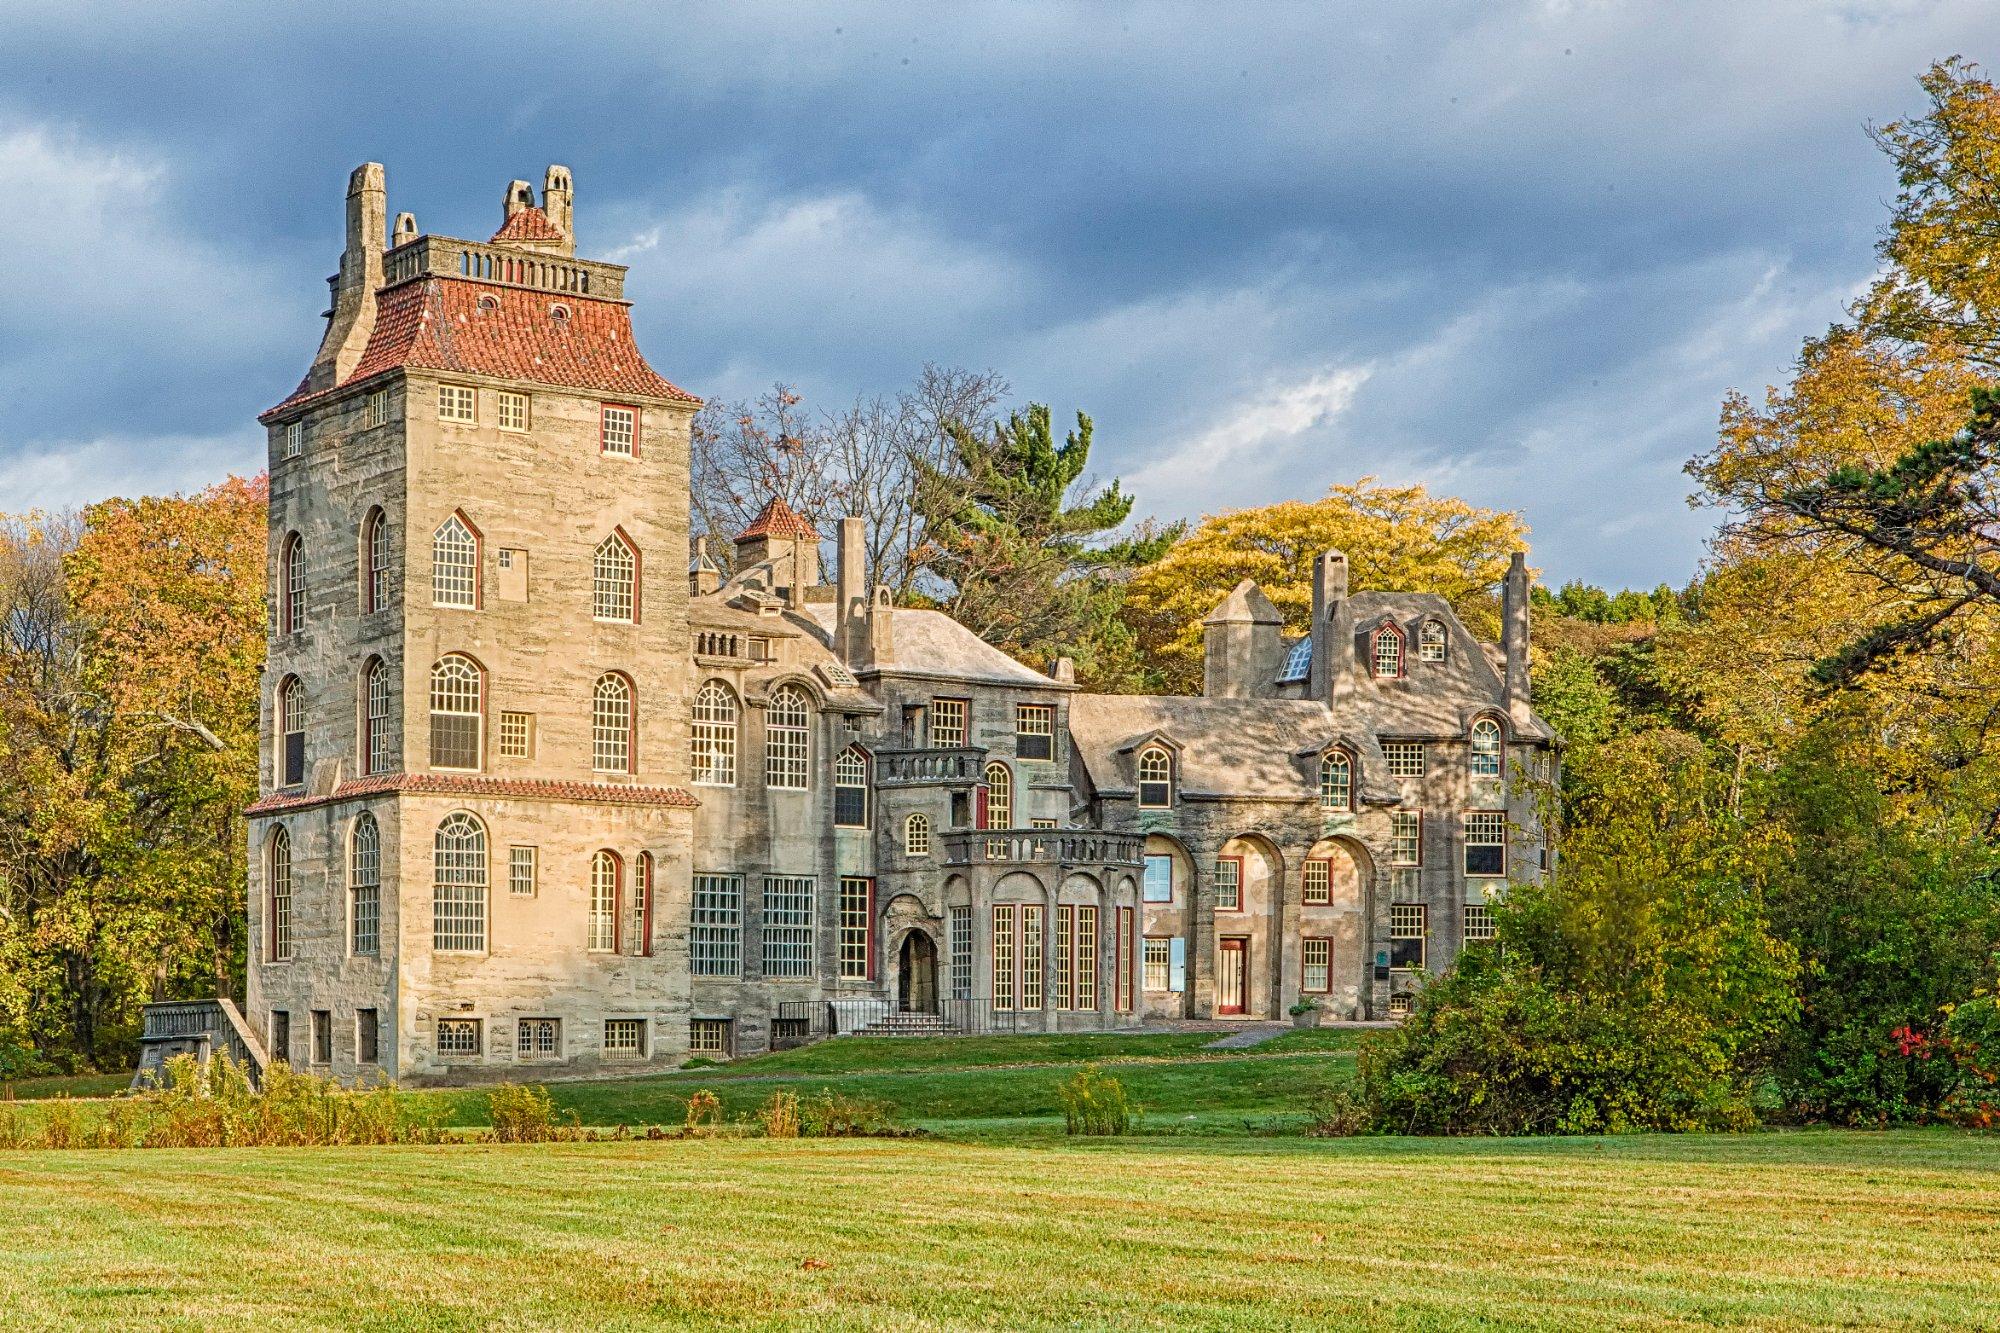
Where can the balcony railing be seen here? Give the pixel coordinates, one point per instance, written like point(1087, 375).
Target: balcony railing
point(920, 768)
point(1044, 846)
point(450, 257)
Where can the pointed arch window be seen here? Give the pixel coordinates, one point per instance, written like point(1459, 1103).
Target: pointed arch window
point(1336, 781)
point(999, 810)
point(376, 741)
point(614, 580)
point(1388, 652)
point(292, 733)
point(606, 885)
point(455, 564)
point(1156, 778)
point(278, 895)
point(364, 887)
point(917, 835)
point(292, 594)
point(1430, 641)
point(787, 739)
point(1486, 748)
point(713, 737)
point(458, 885)
point(457, 712)
point(850, 788)
point(612, 722)
point(374, 562)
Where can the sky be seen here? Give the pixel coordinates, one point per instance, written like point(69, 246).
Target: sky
point(1515, 251)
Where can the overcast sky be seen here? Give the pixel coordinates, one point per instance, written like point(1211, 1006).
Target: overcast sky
point(1516, 251)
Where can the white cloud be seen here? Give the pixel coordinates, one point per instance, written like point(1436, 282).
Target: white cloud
point(65, 474)
point(1254, 438)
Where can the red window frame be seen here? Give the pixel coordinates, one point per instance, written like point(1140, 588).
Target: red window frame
point(1238, 862)
point(603, 418)
point(1306, 869)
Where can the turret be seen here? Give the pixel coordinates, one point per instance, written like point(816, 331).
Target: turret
point(780, 537)
point(351, 319)
point(1243, 645)
point(558, 199)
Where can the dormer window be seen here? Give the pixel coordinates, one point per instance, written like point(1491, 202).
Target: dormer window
point(1156, 778)
point(1486, 748)
point(1430, 641)
point(1336, 781)
point(1388, 653)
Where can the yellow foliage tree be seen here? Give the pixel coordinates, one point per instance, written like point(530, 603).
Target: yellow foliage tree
point(1396, 538)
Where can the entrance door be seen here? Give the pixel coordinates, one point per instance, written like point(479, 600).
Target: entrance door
point(916, 975)
point(1232, 977)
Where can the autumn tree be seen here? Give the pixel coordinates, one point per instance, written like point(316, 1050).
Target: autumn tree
point(1395, 537)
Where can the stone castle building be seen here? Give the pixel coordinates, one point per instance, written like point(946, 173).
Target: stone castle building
point(538, 792)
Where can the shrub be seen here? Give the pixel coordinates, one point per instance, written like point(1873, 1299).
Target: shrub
point(523, 1113)
point(1335, 1112)
point(778, 1117)
point(833, 1115)
point(704, 1111)
point(1094, 1103)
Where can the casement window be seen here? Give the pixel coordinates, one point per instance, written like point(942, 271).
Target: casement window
point(1157, 960)
point(1486, 842)
point(364, 887)
point(1430, 641)
point(1409, 923)
point(278, 895)
point(1122, 946)
point(292, 733)
point(1486, 748)
point(620, 434)
point(857, 928)
point(1005, 956)
point(624, 1038)
point(948, 721)
point(1316, 965)
point(295, 438)
point(511, 411)
point(1336, 781)
point(788, 927)
point(1388, 652)
point(538, 1039)
point(1034, 731)
point(917, 835)
point(1159, 882)
point(1065, 932)
point(458, 885)
point(455, 564)
point(715, 926)
point(292, 594)
point(517, 735)
point(374, 562)
point(1479, 923)
point(1031, 956)
point(458, 402)
point(281, 1035)
point(1229, 884)
point(377, 409)
point(958, 949)
point(367, 1037)
point(523, 871)
point(377, 740)
point(1406, 758)
point(322, 1036)
point(787, 739)
point(1156, 778)
point(613, 722)
point(1317, 890)
point(1042, 823)
point(614, 580)
point(709, 1036)
point(998, 812)
point(712, 738)
point(607, 876)
point(457, 704)
point(1083, 959)
point(642, 905)
point(459, 1038)
point(850, 789)
point(1406, 837)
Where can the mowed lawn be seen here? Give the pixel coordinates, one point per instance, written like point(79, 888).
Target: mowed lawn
point(1771, 1231)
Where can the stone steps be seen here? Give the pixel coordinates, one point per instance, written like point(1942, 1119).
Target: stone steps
point(909, 1025)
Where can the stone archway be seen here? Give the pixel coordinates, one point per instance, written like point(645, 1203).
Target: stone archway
point(917, 974)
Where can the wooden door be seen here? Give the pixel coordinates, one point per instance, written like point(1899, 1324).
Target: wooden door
point(1232, 977)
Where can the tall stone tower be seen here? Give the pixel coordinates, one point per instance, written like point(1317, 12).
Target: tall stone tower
point(472, 846)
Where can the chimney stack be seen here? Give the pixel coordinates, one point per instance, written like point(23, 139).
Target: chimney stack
point(558, 202)
point(352, 318)
point(850, 625)
point(882, 628)
point(520, 198)
point(1332, 629)
point(1514, 637)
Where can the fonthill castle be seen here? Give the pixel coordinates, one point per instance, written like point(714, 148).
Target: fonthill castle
point(538, 790)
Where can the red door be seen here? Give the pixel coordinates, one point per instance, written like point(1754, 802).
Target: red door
point(1232, 977)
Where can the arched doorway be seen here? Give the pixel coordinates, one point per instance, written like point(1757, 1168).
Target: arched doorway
point(917, 975)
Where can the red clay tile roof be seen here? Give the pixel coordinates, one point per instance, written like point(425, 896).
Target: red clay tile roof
point(449, 324)
point(530, 224)
point(468, 784)
point(778, 519)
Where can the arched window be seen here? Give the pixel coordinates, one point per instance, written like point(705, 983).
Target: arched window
point(1388, 652)
point(1486, 750)
point(278, 895)
point(605, 891)
point(917, 835)
point(457, 704)
point(999, 811)
point(713, 738)
point(292, 732)
point(377, 744)
point(1430, 641)
point(455, 564)
point(364, 886)
point(458, 885)
point(1156, 778)
point(787, 739)
point(611, 724)
point(292, 594)
point(1336, 781)
point(374, 561)
point(850, 788)
point(614, 580)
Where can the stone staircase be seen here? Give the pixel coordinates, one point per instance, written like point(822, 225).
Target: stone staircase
point(910, 1025)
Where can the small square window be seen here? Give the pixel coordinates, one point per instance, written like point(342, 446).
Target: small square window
point(709, 1036)
point(458, 1038)
point(1479, 923)
point(1399, 1005)
point(621, 431)
point(457, 402)
point(512, 411)
point(517, 735)
point(538, 1039)
point(521, 865)
point(295, 438)
point(1035, 731)
point(1406, 758)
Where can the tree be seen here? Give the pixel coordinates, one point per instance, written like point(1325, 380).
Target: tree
point(1395, 537)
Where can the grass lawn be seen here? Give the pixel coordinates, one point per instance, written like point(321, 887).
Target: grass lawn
point(1771, 1231)
point(66, 1085)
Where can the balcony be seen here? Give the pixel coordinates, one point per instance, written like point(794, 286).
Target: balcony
point(960, 767)
point(1044, 847)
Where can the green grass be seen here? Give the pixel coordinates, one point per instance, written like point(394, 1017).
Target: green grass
point(1771, 1231)
point(66, 1085)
